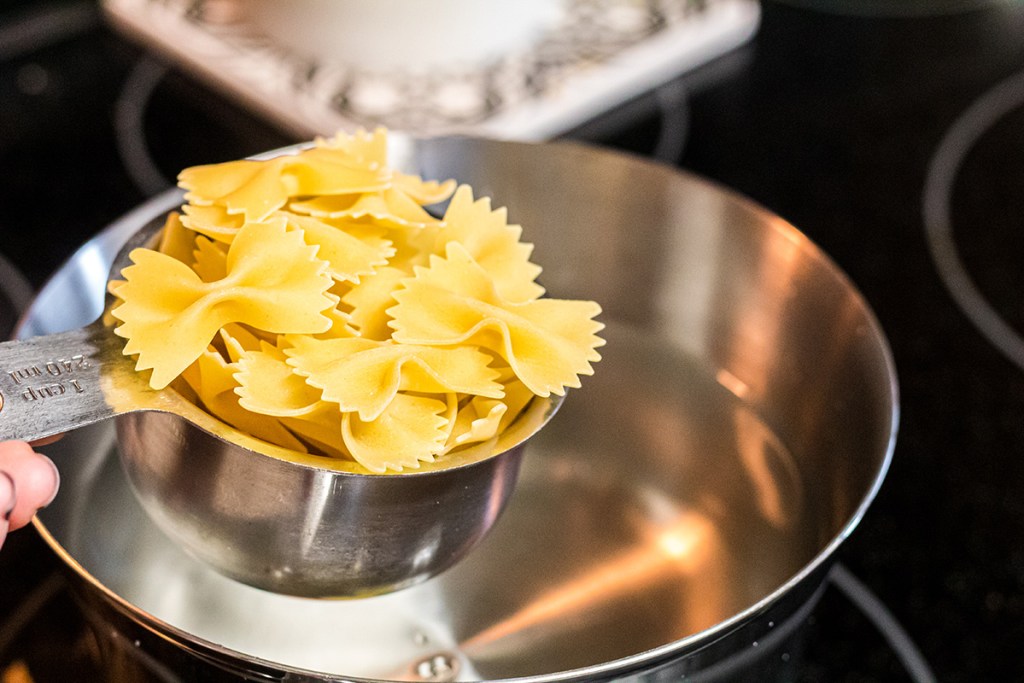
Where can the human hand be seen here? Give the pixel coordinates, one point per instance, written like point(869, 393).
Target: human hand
point(28, 481)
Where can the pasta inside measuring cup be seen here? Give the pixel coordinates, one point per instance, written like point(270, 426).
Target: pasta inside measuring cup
point(312, 301)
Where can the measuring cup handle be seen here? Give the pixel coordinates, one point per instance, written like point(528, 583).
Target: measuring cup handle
point(55, 383)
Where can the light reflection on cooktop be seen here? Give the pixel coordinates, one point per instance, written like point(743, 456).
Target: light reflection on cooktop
point(974, 218)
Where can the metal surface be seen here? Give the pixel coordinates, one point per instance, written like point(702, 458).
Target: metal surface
point(304, 530)
point(680, 511)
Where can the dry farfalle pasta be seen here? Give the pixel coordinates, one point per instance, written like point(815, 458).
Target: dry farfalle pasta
point(312, 301)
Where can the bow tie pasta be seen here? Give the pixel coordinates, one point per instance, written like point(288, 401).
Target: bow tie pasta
point(312, 301)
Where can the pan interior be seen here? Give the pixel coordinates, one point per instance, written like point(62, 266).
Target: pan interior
point(642, 517)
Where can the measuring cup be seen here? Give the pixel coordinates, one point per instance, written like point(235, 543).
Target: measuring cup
point(270, 517)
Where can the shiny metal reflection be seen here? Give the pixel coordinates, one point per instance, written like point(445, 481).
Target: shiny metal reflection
point(680, 507)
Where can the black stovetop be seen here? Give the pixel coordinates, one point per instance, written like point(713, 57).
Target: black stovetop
point(841, 123)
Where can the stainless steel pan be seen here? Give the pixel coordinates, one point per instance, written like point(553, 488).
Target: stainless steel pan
point(677, 517)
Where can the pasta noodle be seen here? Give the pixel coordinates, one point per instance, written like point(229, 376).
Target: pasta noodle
point(313, 301)
point(548, 343)
point(274, 282)
point(392, 208)
point(362, 375)
point(493, 244)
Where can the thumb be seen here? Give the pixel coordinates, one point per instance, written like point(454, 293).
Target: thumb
point(36, 481)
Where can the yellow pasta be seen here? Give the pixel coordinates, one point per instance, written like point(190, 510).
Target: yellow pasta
point(409, 431)
point(236, 340)
point(371, 299)
point(313, 301)
point(175, 240)
point(362, 147)
point(212, 379)
point(348, 257)
point(321, 430)
point(268, 386)
point(169, 315)
point(250, 188)
point(363, 376)
point(255, 189)
point(209, 261)
point(478, 420)
point(548, 343)
point(423, 192)
point(341, 324)
point(213, 221)
point(517, 397)
point(392, 208)
point(493, 243)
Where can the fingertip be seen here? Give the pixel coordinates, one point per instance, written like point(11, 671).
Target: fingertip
point(55, 485)
point(7, 495)
point(7, 502)
point(36, 481)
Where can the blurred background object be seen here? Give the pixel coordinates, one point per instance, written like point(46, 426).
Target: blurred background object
point(524, 70)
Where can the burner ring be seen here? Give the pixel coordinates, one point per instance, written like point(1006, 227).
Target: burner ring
point(965, 132)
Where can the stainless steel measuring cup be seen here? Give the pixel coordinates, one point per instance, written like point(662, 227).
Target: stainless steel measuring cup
point(264, 515)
